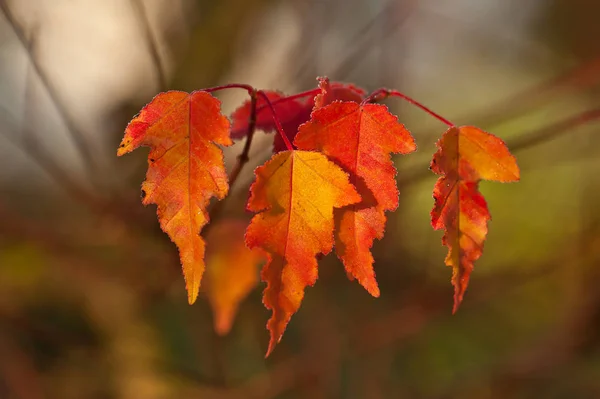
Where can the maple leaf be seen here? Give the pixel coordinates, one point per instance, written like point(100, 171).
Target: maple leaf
point(286, 111)
point(465, 156)
point(360, 138)
point(295, 193)
point(185, 168)
point(291, 112)
point(231, 271)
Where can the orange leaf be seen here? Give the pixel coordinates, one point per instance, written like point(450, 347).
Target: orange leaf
point(360, 138)
point(231, 271)
point(295, 193)
point(465, 156)
point(185, 168)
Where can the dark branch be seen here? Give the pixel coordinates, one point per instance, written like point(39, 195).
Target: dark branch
point(30, 147)
point(151, 43)
point(75, 134)
point(522, 142)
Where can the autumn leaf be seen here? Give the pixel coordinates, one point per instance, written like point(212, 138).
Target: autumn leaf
point(465, 156)
point(290, 112)
point(287, 112)
point(360, 138)
point(294, 194)
point(185, 168)
point(231, 271)
point(240, 118)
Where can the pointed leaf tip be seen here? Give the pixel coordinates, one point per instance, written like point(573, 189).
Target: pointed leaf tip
point(294, 223)
point(185, 168)
point(192, 288)
point(359, 138)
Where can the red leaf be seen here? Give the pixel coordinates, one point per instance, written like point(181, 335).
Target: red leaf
point(360, 138)
point(286, 111)
point(290, 112)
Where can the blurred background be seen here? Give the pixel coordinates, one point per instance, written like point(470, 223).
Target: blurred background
point(92, 300)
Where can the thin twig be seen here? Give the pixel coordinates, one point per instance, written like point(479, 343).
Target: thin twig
point(548, 133)
point(522, 142)
point(280, 130)
point(307, 93)
point(242, 160)
point(246, 87)
point(75, 134)
point(361, 44)
point(360, 51)
point(384, 93)
point(30, 147)
point(151, 43)
point(585, 75)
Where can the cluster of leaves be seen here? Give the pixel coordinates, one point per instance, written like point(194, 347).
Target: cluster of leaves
point(330, 181)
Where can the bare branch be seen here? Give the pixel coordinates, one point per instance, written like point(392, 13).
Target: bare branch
point(521, 142)
point(30, 147)
point(360, 51)
point(76, 135)
point(362, 40)
point(582, 76)
point(242, 159)
point(151, 43)
point(548, 133)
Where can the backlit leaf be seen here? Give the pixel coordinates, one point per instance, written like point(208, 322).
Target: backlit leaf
point(290, 112)
point(360, 138)
point(185, 168)
point(295, 193)
point(465, 156)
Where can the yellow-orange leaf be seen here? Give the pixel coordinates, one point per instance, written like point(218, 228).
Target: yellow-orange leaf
point(231, 271)
point(465, 156)
point(295, 193)
point(360, 138)
point(185, 168)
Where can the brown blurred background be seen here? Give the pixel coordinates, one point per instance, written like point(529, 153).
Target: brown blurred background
point(92, 301)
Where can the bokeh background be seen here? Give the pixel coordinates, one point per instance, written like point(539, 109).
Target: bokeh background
point(92, 301)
